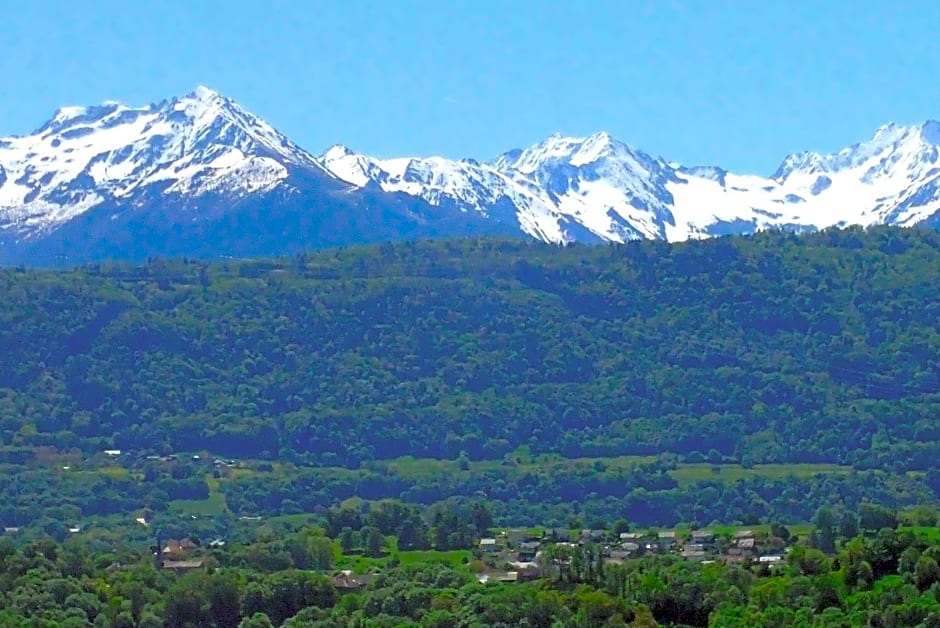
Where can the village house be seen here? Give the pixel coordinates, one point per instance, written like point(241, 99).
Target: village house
point(518, 535)
point(666, 541)
point(528, 550)
point(556, 535)
point(174, 548)
point(526, 570)
point(703, 537)
point(694, 551)
point(735, 555)
point(592, 536)
point(172, 556)
point(742, 549)
point(489, 546)
point(618, 556)
point(180, 565)
point(346, 580)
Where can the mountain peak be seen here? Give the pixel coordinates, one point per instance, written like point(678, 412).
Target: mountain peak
point(600, 136)
point(889, 142)
point(187, 146)
point(597, 146)
point(886, 135)
point(336, 151)
point(203, 93)
point(559, 149)
point(892, 135)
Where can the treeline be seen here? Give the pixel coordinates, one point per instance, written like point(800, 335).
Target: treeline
point(645, 495)
point(772, 348)
point(553, 493)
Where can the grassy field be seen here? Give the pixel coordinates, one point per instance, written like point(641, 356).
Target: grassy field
point(212, 505)
point(684, 474)
point(454, 558)
point(364, 564)
point(931, 535)
point(801, 530)
point(688, 474)
point(423, 468)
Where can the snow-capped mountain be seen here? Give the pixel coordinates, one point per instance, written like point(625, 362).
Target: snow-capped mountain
point(198, 175)
point(598, 188)
point(193, 145)
point(194, 175)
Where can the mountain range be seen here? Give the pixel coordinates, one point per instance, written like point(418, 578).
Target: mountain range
point(199, 176)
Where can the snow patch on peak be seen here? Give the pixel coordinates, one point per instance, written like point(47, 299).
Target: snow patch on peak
point(889, 130)
point(67, 117)
point(347, 166)
point(596, 147)
point(203, 93)
point(713, 173)
point(63, 114)
point(336, 151)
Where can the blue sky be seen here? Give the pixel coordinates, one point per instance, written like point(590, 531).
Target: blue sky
point(739, 84)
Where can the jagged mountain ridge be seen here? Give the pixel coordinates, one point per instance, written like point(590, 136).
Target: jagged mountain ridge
point(198, 175)
point(195, 175)
point(612, 191)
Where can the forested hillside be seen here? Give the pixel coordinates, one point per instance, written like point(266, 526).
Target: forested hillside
point(773, 348)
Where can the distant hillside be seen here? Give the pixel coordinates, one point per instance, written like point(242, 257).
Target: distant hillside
point(771, 348)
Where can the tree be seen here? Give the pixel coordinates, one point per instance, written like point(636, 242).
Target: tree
point(284, 594)
point(137, 598)
point(258, 620)
point(824, 534)
point(372, 541)
point(321, 553)
point(481, 517)
point(848, 525)
point(873, 517)
point(926, 573)
point(187, 602)
point(908, 562)
point(224, 599)
point(923, 516)
point(643, 618)
point(348, 539)
point(810, 562)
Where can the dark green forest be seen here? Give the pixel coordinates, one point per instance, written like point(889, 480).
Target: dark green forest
point(774, 348)
point(381, 408)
